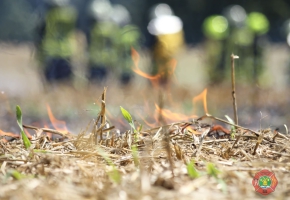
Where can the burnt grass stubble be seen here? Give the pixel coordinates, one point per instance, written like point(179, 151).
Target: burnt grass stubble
point(157, 163)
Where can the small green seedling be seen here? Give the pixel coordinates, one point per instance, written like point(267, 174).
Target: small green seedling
point(134, 148)
point(135, 155)
point(191, 170)
point(15, 174)
point(128, 118)
point(212, 170)
point(26, 141)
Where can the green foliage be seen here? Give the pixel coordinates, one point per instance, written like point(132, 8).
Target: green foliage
point(212, 170)
point(114, 175)
point(128, 118)
point(141, 126)
point(26, 141)
point(192, 172)
point(15, 174)
point(134, 148)
point(135, 155)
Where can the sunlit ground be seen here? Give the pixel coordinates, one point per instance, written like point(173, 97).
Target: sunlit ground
point(188, 96)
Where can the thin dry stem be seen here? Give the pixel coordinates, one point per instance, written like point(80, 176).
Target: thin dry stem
point(233, 57)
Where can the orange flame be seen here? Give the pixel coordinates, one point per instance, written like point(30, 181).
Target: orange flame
point(137, 70)
point(3, 133)
point(57, 124)
point(201, 97)
point(154, 79)
point(172, 116)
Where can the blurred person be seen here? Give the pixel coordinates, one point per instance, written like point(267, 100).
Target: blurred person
point(128, 37)
point(110, 41)
point(238, 33)
point(239, 42)
point(216, 31)
point(56, 41)
point(246, 41)
point(167, 30)
point(259, 25)
point(102, 40)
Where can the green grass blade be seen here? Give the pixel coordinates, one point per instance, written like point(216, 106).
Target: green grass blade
point(128, 117)
point(191, 170)
point(19, 116)
point(15, 174)
point(25, 139)
point(135, 155)
point(212, 170)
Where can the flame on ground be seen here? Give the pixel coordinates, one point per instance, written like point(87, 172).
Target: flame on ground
point(200, 97)
point(172, 116)
point(3, 133)
point(137, 70)
point(57, 124)
point(153, 78)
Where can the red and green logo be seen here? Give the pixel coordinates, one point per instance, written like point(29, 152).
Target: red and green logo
point(265, 182)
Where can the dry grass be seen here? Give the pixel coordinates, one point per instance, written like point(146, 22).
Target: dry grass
point(101, 163)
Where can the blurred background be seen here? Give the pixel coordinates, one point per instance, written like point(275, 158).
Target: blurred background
point(56, 56)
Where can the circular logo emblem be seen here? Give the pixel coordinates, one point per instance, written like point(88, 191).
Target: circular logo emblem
point(265, 182)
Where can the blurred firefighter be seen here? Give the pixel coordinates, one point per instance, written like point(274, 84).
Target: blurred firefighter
point(259, 25)
point(238, 33)
point(167, 31)
point(110, 41)
point(239, 42)
point(246, 41)
point(216, 30)
point(56, 40)
point(102, 36)
point(128, 37)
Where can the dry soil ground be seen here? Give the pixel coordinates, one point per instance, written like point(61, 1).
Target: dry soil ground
point(82, 174)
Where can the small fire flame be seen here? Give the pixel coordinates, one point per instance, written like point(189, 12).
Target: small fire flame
point(168, 115)
point(137, 70)
point(153, 78)
point(3, 133)
point(172, 116)
point(57, 124)
point(200, 97)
